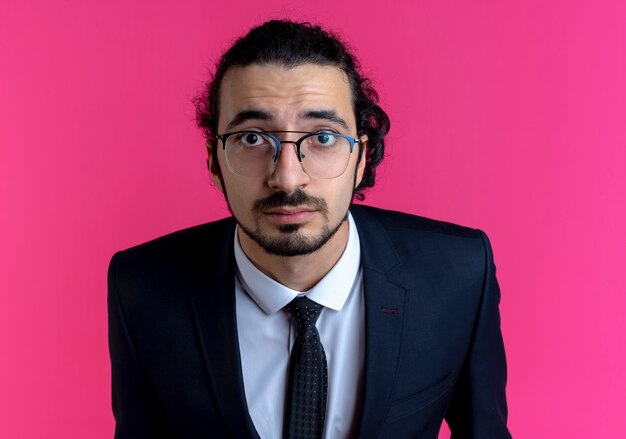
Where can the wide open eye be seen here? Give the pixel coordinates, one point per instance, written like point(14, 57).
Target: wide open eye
point(323, 139)
point(250, 139)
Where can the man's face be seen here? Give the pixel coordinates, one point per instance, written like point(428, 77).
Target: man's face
point(287, 212)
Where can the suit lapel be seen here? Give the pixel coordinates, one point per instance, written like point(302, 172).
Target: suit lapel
point(383, 330)
point(215, 315)
point(384, 316)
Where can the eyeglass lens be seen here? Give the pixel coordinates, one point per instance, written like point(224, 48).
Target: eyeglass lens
point(252, 154)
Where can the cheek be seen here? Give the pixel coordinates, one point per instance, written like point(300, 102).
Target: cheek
point(342, 196)
point(241, 194)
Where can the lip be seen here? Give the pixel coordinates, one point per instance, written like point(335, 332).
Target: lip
point(285, 215)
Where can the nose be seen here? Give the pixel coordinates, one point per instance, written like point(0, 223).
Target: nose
point(288, 173)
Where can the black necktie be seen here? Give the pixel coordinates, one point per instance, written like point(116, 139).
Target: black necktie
point(305, 409)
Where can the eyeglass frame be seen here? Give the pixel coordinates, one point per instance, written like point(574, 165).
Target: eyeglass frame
point(224, 137)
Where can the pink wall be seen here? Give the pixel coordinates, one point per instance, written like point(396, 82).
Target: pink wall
point(508, 116)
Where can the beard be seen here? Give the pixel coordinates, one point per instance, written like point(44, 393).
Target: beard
point(291, 241)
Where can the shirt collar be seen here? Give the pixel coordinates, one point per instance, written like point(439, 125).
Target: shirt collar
point(331, 291)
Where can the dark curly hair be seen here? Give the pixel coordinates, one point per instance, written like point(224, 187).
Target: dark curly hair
point(291, 44)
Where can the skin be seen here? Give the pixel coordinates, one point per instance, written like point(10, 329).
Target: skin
point(289, 99)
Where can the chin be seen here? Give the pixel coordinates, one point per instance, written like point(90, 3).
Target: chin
point(290, 241)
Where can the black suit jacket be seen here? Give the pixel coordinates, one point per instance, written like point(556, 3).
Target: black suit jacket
point(433, 343)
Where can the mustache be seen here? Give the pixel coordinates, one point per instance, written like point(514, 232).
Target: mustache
point(298, 198)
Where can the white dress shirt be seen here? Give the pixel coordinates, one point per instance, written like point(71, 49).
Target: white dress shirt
point(266, 336)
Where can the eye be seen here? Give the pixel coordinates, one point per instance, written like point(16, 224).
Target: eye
point(323, 139)
point(251, 139)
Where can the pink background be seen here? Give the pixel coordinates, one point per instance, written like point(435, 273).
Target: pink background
point(508, 116)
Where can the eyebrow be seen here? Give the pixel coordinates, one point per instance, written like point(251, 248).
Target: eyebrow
point(329, 115)
point(254, 114)
point(246, 115)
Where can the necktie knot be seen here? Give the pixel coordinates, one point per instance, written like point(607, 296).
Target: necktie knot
point(305, 312)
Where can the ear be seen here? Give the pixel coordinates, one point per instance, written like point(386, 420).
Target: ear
point(214, 168)
point(360, 169)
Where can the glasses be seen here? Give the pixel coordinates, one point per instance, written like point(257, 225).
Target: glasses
point(323, 154)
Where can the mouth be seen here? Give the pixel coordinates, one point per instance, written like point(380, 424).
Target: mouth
point(290, 215)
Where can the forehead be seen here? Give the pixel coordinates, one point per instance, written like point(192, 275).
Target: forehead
point(284, 92)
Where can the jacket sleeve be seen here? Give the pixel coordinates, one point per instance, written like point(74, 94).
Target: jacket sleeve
point(478, 408)
point(136, 406)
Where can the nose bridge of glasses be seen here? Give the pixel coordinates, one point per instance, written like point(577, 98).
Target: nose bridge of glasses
point(281, 149)
point(280, 136)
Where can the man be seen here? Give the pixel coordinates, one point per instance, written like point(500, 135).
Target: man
point(303, 316)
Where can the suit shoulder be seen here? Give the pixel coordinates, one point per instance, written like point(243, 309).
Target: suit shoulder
point(201, 244)
point(392, 220)
point(415, 243)
point(410, 236)
point(194, 236)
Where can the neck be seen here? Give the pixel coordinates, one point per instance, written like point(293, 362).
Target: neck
point(300, 273)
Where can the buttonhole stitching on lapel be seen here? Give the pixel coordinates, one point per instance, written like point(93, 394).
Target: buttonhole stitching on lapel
point(389, 311)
